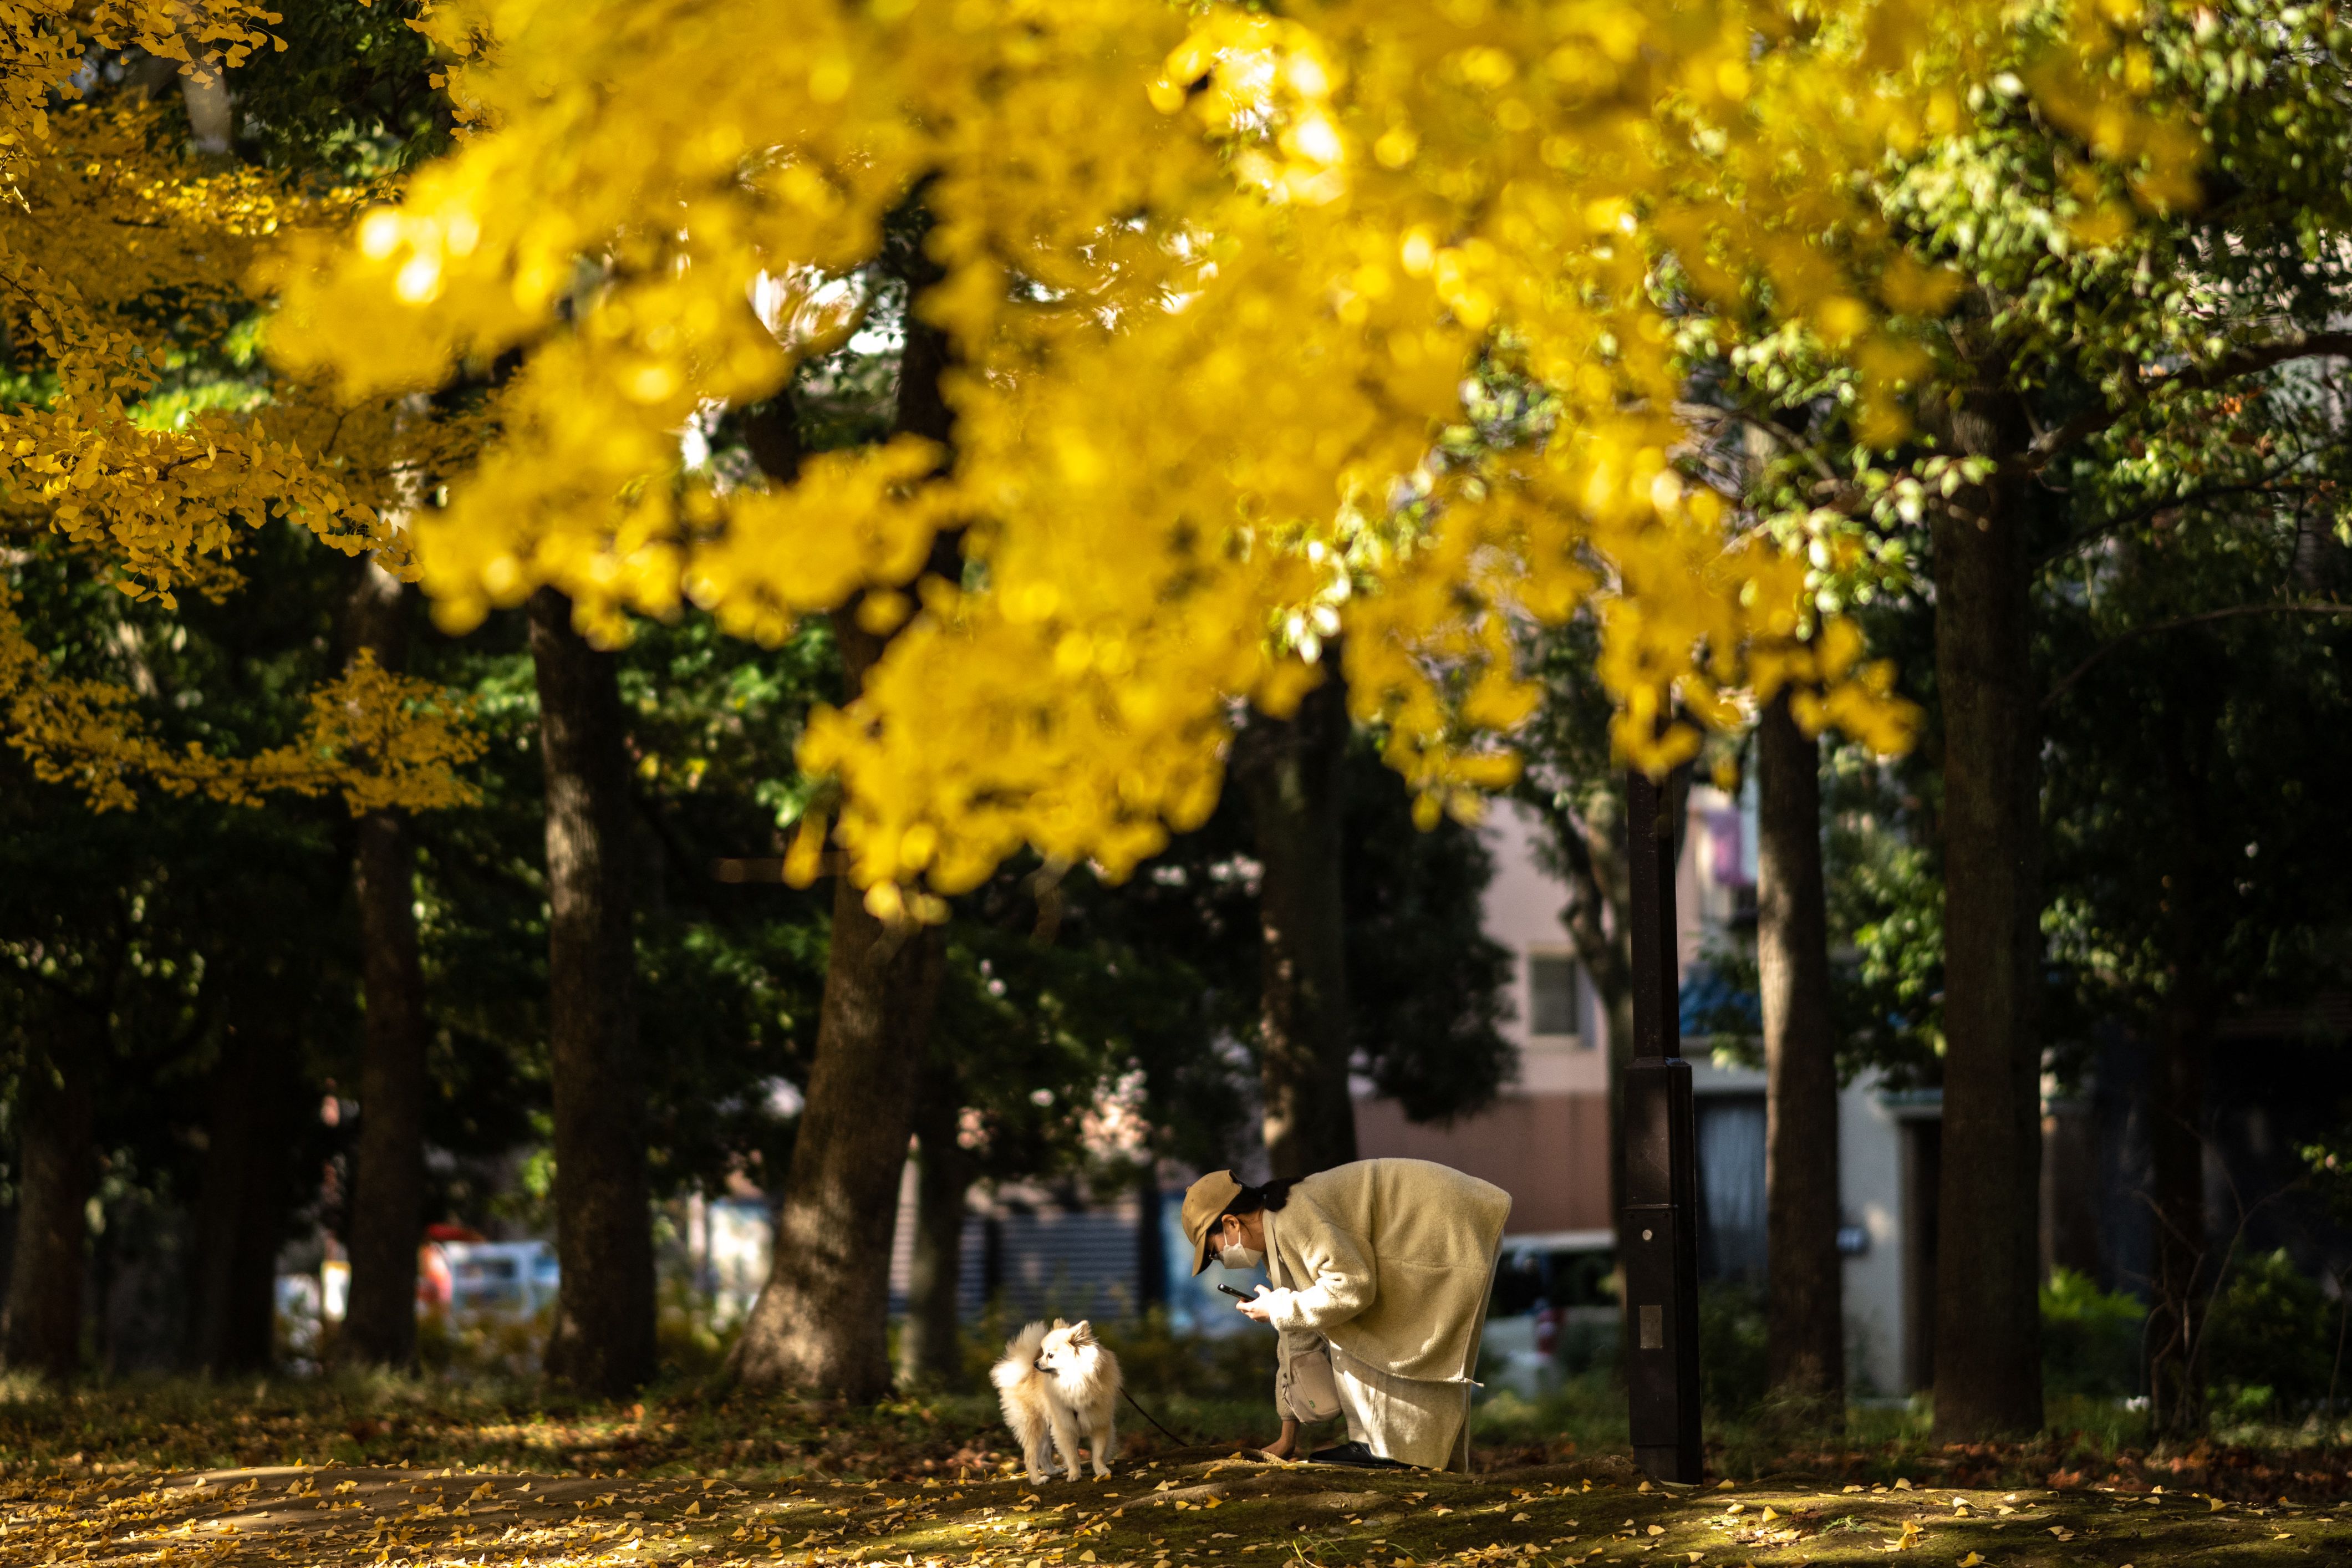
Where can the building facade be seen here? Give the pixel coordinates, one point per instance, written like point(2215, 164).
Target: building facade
point(1545, 1141)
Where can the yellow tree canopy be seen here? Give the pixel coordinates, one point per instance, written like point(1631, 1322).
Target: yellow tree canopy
point(1213, 278)
point(113, 251)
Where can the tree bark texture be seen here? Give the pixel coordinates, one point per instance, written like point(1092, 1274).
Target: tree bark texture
point(1292, 770)
point(40, 1328)
point(1987, 1325)
point(1805, 1319)
point(603, 1339)
point(821, 1322)
point(388, 1183)
point(242, 1198)
point(931, 1349)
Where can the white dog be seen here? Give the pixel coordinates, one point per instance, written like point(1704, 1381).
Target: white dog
point(1058, 1379)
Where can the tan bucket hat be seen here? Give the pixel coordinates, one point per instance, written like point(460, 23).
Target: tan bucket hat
point(1204, 1201)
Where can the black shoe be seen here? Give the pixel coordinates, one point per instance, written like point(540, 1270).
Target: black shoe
point(1357, 1457)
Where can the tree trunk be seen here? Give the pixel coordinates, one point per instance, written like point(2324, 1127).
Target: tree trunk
point(1293, 770)
point(1988, 1324)
point(2192, 907)
point(205, 93)
point(822, 1319)
point(40, 1330)
point(388, 1186)
point(2175, 1320)
point(1805, 1319)
point(603, 1339)
point(240, 1207)
point(931, 1349)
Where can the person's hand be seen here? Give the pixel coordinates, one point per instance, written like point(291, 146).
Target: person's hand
point(1282, 1448)
point(1255, 1309)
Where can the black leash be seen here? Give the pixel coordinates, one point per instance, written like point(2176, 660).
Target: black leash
point(1139, 1410)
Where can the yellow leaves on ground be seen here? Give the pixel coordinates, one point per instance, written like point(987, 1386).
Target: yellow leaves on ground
point(1213, 279)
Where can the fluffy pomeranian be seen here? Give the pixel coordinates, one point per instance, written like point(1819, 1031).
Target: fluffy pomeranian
point(1058, 1379)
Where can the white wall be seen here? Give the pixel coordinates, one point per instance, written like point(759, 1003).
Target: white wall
point(1870, 1195)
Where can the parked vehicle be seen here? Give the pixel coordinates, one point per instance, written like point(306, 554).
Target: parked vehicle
point(1553, 1310)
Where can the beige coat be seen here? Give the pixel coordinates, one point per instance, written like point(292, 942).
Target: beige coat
point(1399, 1254)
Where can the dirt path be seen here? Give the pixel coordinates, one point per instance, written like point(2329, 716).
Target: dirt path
point(1183, 1511)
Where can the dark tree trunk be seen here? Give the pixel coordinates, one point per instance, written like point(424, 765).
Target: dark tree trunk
point(2071, 1171)
point(2193, 911)
point(1292, 770)
point(1987, 1325)
point(2183, 1268)
point(929, 1347)
point(604, 1335)
point(241, 1203)
point(1805, 1334)
point(822, 1319)
point(40, 1330)
point(388, 1184)
point(1150, 1240)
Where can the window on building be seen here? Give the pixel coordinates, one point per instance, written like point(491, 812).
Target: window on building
point(1553, 1002)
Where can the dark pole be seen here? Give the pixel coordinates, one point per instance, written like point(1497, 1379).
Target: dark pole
point(1659, 1241)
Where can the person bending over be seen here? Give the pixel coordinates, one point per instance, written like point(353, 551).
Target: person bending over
point(1378, 1274)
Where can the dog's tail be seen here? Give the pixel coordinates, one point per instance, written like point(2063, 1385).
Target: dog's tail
point(1019, 1362)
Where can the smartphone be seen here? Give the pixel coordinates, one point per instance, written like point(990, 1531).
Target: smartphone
point(1236, 1295)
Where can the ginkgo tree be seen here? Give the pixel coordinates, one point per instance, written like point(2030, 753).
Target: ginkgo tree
point(140, 441)
point(2091, 322)
point(1207, 285)
point(118, 255)
point(1210, 282)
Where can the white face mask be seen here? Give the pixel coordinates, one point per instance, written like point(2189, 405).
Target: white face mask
point(1234, 1256)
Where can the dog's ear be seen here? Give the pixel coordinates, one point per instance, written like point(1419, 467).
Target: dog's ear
point(1084, 1332)
point(1060, 1324)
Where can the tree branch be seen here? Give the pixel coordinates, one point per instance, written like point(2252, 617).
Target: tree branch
point(2263, 486)
point(2080, 670)
point(2245, 361)
point(1709, 414)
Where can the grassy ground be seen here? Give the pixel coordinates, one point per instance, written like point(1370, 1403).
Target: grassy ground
point(385, 1471)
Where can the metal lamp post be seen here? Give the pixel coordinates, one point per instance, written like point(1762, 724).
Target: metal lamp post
point(1658, 1239)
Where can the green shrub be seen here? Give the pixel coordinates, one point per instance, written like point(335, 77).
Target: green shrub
point(2271, 1340)
point(691, 1343)
point(1587, 1344)
point(2090, 1338)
